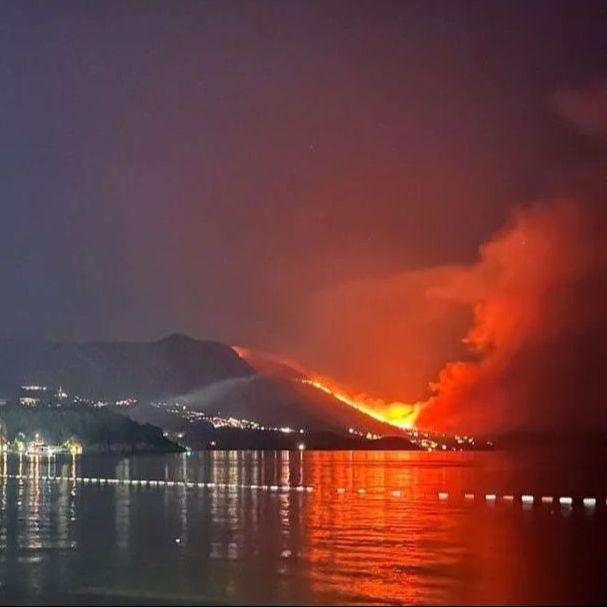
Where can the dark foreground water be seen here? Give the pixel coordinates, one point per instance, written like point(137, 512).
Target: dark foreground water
point(397, 542)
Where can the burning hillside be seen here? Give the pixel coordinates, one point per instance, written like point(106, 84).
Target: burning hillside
point(532, 351)
point(398, 414)
point(384, 418)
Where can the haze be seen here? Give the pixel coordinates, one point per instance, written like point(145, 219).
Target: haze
point(313, 179)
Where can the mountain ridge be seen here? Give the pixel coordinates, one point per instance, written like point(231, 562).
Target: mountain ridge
point(205, 375)
point(108, 370)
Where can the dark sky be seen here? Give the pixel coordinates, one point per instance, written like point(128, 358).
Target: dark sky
point(206, 167)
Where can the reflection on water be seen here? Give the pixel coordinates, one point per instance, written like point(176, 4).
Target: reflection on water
point(393, 543)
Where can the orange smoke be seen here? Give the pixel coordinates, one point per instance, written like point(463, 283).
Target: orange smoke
point(525, 290)
point(531, 357)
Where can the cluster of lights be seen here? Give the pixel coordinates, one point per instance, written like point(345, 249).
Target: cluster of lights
point(61, 394)
point(423, 440)
point(426, 440)
point(441, 442)
point(33, 395)
point(126, 402)
point(37, 447)
point(367, 435)
point(464, 440)
point(217, 421)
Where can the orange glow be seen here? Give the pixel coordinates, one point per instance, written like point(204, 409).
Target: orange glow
point(398, 414)
point(530, 294)
point(522, 290)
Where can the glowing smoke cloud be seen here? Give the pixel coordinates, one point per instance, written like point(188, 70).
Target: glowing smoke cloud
point(538, 333)
point(535, 352)
point(537, 345)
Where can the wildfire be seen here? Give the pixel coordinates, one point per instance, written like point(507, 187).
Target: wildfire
point(398, 414)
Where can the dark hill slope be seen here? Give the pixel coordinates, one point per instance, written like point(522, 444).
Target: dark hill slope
point(276, 402)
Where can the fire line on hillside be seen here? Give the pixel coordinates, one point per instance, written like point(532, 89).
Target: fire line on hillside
point(399, 415)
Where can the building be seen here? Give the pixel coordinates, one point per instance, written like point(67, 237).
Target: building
point(32, 395)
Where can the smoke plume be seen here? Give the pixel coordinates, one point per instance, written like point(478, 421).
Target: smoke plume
point(539, 336)
point(524, 322)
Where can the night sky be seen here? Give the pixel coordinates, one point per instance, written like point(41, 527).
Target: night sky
point(223, 168)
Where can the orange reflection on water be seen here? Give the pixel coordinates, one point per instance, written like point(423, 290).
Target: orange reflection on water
point(373, 543)
point(395, 542)
point(386, 539)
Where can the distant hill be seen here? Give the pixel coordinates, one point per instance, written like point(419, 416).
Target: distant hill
point(102, 370)
point(100, 430)
point(206, 375)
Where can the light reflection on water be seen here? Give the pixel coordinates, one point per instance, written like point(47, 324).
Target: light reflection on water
point(244, 546)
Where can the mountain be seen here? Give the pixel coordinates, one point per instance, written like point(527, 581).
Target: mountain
point(278, 402)
point(103, 370)
point(208, 378)
point(206, 375)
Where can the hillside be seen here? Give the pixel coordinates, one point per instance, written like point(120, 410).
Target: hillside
point(99, 430)
point(101, 370)
point(206, 375)
point(277, 402)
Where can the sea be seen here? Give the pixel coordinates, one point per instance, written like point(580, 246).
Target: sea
point(319, 528)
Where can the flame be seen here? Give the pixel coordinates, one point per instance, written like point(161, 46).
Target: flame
point(528, 313)
point(397, 414)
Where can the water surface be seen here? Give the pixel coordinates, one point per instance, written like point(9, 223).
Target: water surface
point(237, 543)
